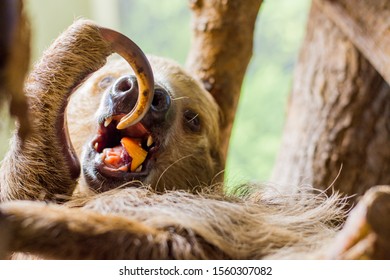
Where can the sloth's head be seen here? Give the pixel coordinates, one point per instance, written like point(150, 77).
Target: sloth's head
point(175, 146)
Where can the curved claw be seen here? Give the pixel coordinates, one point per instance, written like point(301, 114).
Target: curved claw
point(143, 71)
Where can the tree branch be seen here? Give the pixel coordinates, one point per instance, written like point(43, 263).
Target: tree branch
point(221, 50)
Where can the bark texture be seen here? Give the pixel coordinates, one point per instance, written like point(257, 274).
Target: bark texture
point(221, 49)
point(338, 115)
point(367, 24)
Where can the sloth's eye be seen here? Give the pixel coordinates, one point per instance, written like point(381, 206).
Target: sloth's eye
point(105, 82)
point(191, 120)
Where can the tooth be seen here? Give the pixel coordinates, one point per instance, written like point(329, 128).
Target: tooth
point(107, 121)
point(150, 141)
point(103, 155)
point(96, 146)
point(139, 168)
point(123, 168)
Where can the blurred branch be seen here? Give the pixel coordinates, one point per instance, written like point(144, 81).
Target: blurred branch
point(14, 59)
point(221, 49)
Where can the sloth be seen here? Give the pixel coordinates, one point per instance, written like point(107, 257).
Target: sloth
point(149, 191)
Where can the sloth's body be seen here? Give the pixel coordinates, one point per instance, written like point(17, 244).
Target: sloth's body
point(140, 221)
point(168, 207)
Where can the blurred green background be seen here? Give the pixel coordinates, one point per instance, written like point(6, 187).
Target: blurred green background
point(163, 28)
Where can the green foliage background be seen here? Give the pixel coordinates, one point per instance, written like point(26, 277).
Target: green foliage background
point(163, 28)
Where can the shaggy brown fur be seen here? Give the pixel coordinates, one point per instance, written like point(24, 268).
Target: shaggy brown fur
point(173, 213)
point(63, 66)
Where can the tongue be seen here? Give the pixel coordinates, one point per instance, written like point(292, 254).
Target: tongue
point(117, 158)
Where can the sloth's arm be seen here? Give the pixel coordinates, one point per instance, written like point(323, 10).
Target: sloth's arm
point(366, 233)
point(45, 166)
point(53, 231)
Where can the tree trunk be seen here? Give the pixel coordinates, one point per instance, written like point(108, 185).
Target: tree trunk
point(366, 23)
point(337, 131)
point(220, 52)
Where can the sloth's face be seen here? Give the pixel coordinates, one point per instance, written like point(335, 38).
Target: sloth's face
point(175, 146)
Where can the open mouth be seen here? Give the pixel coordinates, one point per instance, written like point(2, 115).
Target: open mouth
point(123, 153)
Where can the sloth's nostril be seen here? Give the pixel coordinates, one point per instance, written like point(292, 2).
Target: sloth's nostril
point(122, 97)
point(124, 84)
point(161, 101)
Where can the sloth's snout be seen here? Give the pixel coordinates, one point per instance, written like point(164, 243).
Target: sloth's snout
point(127, 154)
point(123, 97)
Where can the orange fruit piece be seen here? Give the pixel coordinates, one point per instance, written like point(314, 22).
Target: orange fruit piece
point(135, 151)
